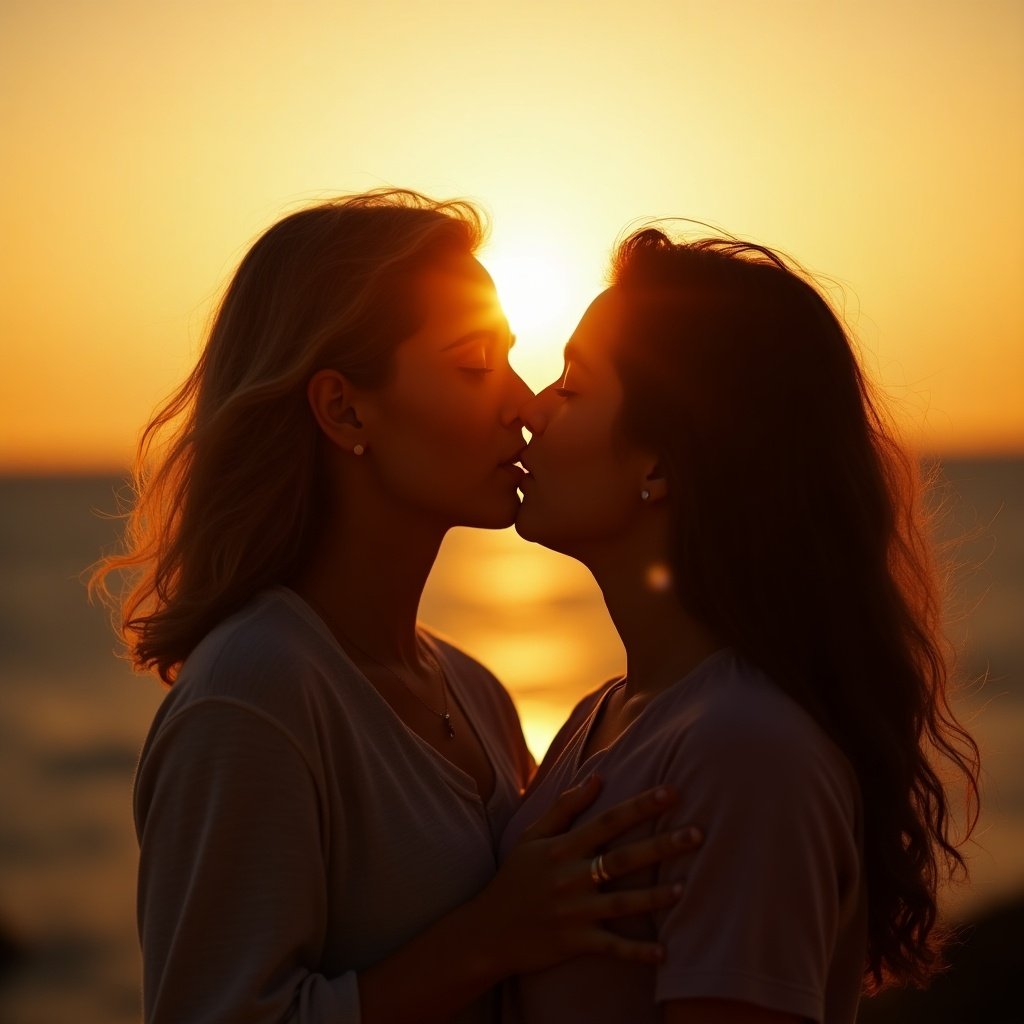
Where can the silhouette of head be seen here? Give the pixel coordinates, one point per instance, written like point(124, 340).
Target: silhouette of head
point(715, 378)
point(378, 297)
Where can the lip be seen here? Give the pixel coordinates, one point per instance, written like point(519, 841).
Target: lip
point(513, 466)
point(515, 457)
point(527, 473)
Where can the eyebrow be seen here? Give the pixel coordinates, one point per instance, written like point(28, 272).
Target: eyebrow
point(492, 336)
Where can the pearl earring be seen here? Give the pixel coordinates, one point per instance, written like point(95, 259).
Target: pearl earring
point(358, 449)
point(645, 494)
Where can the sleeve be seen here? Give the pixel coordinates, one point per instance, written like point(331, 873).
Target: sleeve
point(759, 917)
point(232, 877)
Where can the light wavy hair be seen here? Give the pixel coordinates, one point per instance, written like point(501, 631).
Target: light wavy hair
point(227, 498)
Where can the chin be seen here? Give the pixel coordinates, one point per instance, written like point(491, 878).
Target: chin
point(556, 533)
point(531, 527)
point(499, 516)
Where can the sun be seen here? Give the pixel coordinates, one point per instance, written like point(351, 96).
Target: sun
point(544, 293)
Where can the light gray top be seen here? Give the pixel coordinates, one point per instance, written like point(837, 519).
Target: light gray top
point(293, 831)
point(774, 908)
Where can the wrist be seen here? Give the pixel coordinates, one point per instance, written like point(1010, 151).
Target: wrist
point(479, 938)
point(445, 968)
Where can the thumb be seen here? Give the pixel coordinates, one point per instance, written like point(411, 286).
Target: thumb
point(561, 814)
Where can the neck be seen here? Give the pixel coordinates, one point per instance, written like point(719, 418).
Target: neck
point(663, 641)
point(366, 576)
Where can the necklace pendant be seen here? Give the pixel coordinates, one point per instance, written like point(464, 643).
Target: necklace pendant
point(447, 718)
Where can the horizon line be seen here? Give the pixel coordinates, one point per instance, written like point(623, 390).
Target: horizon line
point(26, 471)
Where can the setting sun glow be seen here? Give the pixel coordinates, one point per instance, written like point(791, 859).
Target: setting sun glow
point(543, 292)
point(147, 145)
point(871, 141)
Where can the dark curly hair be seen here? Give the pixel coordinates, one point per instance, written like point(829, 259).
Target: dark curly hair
point(799, 537)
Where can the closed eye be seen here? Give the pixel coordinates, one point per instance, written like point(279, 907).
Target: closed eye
point(559, 386)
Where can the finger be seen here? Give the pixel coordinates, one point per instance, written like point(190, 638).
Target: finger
point(642, 853)
point(618, 819)
point(607, 944)
point(604, 906)
point(564, 811)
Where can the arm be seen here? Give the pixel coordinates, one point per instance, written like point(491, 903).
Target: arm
point(232, 883)
point(231, 875)
point(767, 901)
point(542, 908)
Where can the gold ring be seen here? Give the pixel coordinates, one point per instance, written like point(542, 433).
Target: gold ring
point(598, 872)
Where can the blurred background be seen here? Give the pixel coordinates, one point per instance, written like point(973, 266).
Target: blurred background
point(146, 145)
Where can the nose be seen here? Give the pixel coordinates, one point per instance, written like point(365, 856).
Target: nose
point(517, 394)
point(536, 410)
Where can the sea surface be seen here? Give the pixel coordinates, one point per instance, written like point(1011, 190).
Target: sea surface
point(72, 717)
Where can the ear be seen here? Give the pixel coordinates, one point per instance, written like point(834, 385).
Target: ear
point(333, 401)
point(655, 483)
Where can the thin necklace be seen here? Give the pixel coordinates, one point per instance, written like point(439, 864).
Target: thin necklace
point(445, 715)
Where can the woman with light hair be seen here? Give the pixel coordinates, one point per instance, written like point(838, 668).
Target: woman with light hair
point(321, 793)
point(713, 453)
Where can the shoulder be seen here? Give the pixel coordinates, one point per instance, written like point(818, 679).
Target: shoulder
point(261, 641)
point(266, 658)
point(250, 698)
point(736, 707)
point(740, 731)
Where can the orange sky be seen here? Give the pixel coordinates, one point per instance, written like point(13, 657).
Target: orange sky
point(145, 144)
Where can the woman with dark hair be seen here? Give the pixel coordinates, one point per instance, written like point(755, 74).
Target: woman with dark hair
point(716, 457)
point(319, 799)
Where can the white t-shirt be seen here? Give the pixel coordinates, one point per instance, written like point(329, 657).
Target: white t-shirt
point(293, 831)
point(774, 910)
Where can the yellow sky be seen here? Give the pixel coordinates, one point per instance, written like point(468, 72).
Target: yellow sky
point(145, 144)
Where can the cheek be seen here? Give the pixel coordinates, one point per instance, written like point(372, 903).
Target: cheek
point(438, 444)
point(596, 502)
point(447, 424)
point(583, 489)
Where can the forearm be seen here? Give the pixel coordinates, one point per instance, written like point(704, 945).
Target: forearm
point(442, 970)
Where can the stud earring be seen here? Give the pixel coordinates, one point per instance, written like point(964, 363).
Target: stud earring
point(358, 449)
point(645, 494)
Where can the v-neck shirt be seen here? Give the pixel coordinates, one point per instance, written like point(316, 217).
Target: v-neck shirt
point(294, 831)
point(773, 910)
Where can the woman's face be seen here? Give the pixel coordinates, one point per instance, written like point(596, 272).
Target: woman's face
point(585, 480)
point(445, 429)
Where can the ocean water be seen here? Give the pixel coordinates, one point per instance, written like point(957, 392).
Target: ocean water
point(72, 717)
